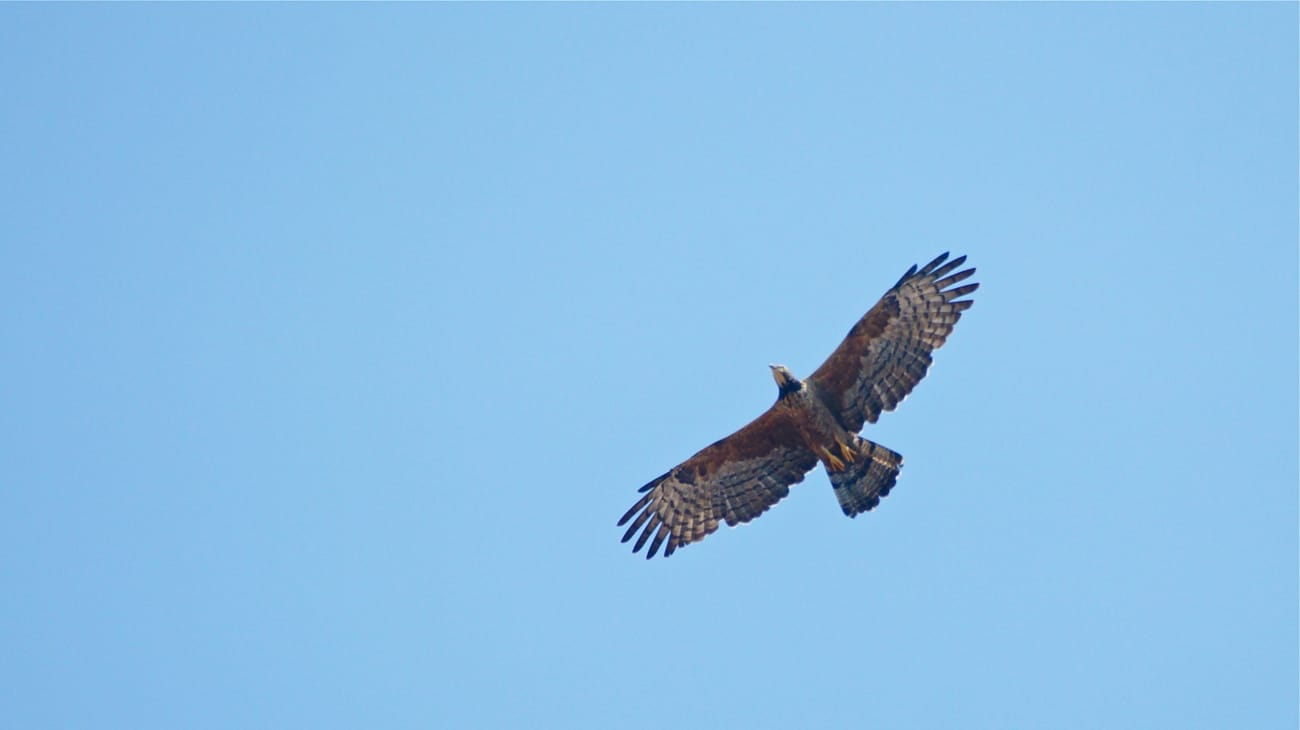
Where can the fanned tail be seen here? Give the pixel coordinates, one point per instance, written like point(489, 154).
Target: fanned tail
point(861, 484)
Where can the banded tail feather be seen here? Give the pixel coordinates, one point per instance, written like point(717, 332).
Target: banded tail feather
point(863, 483)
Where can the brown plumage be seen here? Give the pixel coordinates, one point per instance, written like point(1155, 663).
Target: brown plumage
point(737, 478)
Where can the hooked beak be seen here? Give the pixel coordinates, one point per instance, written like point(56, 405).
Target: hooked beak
point(780, 375)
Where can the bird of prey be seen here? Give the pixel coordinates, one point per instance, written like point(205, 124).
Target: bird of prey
point(816, 420)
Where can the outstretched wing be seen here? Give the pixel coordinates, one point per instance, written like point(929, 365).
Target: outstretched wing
point(888, 351)
point(735, 479)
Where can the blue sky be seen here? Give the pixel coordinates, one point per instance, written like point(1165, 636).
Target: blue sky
point(335, 338)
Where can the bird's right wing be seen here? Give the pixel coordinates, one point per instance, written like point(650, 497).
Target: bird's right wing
point(735, 479)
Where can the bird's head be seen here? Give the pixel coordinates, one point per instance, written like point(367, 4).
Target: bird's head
point(785, 380)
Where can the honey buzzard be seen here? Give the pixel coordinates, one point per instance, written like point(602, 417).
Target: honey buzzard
point(816, 420)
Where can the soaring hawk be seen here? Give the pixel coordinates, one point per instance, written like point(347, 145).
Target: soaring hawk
point(815, 420)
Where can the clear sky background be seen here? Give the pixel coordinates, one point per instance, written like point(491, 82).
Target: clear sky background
point(334, 340)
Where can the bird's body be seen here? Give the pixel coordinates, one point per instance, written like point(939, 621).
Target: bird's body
point(849, 459)
point(818, 428)
point(815, 420)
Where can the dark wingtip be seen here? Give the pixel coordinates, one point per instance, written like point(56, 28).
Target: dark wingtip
point(650, 527)
point(630, 532)
point(961, 291)
point(942, 270)
point(651, 484)
point(906, 275)
point(635, 508)
point(636, 524)
point(937, 260)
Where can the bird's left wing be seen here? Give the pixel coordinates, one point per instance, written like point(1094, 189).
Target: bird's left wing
point(735, 479)
point(888, 351)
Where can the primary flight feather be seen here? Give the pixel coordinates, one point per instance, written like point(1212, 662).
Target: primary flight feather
point(816, 420)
